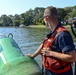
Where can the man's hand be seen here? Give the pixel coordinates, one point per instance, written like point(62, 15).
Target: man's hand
point(46, 52)
point(29, 55)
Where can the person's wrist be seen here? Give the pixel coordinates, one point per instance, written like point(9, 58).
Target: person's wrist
point(32, 56)
point(51, 53)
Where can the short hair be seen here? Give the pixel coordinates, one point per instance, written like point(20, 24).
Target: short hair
point(50, 10)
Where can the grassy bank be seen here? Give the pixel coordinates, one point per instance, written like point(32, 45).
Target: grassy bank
point(37, 26)
point(43, 26)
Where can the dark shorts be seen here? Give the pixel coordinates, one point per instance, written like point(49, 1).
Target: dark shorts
point(70, 72)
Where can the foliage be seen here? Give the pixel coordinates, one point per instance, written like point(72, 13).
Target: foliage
point(61, 13)
point(35, 17)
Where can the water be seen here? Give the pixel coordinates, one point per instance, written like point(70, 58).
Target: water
point(28, 39)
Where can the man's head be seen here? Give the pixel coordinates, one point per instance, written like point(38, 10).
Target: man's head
point(50, 11)
point(50, 15)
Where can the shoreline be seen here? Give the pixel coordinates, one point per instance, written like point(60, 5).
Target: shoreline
point(43, 26)
point(37, 26)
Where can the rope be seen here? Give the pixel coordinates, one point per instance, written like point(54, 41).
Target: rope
point(72, 28)
point(73, 31)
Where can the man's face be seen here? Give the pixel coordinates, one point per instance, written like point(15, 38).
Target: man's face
point(46, 16)
point(46, 20)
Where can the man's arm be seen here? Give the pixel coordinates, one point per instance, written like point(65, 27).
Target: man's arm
point(37, 52)
point(70, 57)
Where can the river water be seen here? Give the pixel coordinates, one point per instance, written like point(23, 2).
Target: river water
point(27, 38)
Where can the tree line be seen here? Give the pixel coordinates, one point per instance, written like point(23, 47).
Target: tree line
point(35, 17)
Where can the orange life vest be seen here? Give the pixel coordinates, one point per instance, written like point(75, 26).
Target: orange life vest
point(51, 63)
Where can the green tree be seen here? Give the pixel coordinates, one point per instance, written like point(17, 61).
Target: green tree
point(16, 20)
point(38, 12)
point(5, 20)
point(61, 13)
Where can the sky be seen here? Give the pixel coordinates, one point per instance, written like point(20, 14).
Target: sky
point(12, 7)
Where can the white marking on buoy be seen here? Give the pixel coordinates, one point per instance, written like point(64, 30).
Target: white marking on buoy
point(1, 55)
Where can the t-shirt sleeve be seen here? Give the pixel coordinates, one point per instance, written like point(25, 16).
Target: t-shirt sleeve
point(66, 42)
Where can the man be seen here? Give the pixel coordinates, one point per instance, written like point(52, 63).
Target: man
point(57, 50)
